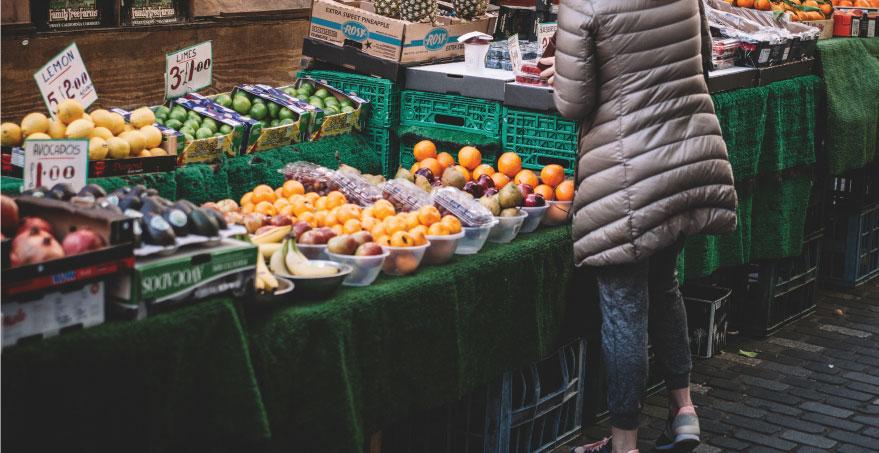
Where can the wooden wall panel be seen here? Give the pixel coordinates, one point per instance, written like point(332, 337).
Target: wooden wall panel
point(15, 11)
point(201, 8)
point(128, 66)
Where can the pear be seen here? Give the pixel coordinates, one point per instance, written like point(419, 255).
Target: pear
point(453, 178)
point(422, 183)
point(510, 212)
point(491, 204)
point(402, 173)
point(510, 197)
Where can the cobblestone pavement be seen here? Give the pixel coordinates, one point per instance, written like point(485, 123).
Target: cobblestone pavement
point(813, 387)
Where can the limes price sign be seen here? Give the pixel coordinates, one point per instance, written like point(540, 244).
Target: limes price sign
point(49, 162)
point(515, 52)
point(65, 77)
point(188, 70)
point(544, 35)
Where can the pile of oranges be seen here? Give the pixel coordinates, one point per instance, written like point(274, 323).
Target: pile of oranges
point(333, 210)
point(551, 183)
point(803, 10)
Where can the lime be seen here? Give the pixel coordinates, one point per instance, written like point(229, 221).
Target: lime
point(307, 87)
point(241, 104)
point(188, 137)
point(226, 129)
point(178, 108)
point(164, 110)
point(258, 111)
point(345, 102)
point(218, 134)
point(258, 100)
point(242, 93)
point(347, 109)
point(224, 99)
point(322, 93)
point(331, 101)
point(177, 115)
point(286, 121)
point(192, 123)
point(275, 123)
point(286, 113)
point(159, 121)
point(203, 133)
point(162, 116)
point(186, 130)
point(273, 109)
point(210, 124)
point(330, 111)
point(290, 90)
point(174, 124)
point(193, 116)
point(317, 102)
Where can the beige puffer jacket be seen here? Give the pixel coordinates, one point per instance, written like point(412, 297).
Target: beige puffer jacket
point(652, 165)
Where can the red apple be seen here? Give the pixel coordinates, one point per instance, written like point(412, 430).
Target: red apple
point(525, 189)
point(281, 220)
point(362, 237)
point(228, 205)
point(34, 222)
point(533, 200)
point(254, 221)
point(310, 237)
point(300, 227)
point(369, 249)
point(212, 205)
point(81, 241)
point(8, 215)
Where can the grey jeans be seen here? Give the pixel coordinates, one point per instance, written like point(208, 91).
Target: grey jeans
point(634, 298)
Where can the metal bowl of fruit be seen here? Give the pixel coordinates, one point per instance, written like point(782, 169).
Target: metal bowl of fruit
point(322, 284)
point(285, 287)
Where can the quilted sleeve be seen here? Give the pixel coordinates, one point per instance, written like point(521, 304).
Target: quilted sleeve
point(576, 87)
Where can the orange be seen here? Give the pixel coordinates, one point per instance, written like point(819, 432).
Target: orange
point(294, 197)
point(745, 3)
point(419, 234)
point(565, 191)
point(332, 217)
point(335, 199)
point(265, 208)
point(547, 192)
point(428, 215)
point(321, 204)
point(292, 187)
point(321, 217)
point(402, 239)
point(412, 220)
point(452, 223)
point(438, 229)
point(280, 203)
point(415, 167)
point(301, 206)
point(763, 5)
point(248, 208)
point(349, 211)
point(423, 150)
point(368, 211)
point(500, 180)
point(433, 165)
point(509, 164)
point(263, 192)
point(469, 157)
point(352, 226)
point(845, 3)
point(312, 197)
point(383, 209)
point(483, 169)
point(279, 192)
point(446, 160)
point(464, 171)
point(395, 224)
point(380, 229)
point(368, 223)
point(337, 229)
point(288, 209)
point(526, 177)
point(552, 175)
point(309, 218)
point(384, 240)
point(246, 199)
point(827, 9)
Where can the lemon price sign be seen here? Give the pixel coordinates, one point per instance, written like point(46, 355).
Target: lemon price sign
point(188, 70)
point(65, 77)
point(49, 162)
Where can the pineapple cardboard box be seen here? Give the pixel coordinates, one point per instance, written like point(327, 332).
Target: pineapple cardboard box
point(432, 37)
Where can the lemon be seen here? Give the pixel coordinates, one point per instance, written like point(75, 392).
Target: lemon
point(70, 110)
point(118, 148)
point(136, 141)
point(38, 136)
point(116, 123)
point(57, 129)
point(127, 128)
point(142, 117)
point(80, 128)
point(11, 134)
point(153, 136)
point(158, 152)
point(102, 132)
point(88, 118)
point(102, 118)
point(33, 123)
point(144, 153)
point(98, 149)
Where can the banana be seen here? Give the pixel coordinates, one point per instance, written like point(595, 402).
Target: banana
point(292, 256)
point(267, 250)
point(262, 273)
point(260, 284)
point(298, 264)
point(276, 264)
point(273, 236)
point(308, 270)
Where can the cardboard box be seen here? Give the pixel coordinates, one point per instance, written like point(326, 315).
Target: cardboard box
point(707, 318)
point(458, 79)
point(824, 26)
point(331, 125)
point(53, 313)
point(158, 283)
point(288, 134)
point(36, 279)
point(356, 25)
point(209, 150)
point(252, 127)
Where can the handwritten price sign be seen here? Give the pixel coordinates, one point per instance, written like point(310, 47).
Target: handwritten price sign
point(49, 162)
point(515, 52)
point(65, 77)
point(544, 34)
point(188, 70)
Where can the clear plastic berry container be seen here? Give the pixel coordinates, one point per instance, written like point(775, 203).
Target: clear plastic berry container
point(404, 195)
point(724, 49)
point(529, 73)
point(355, 188)
point(313, 177)
point(450, 200)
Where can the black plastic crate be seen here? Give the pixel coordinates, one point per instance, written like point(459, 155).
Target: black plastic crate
point(816, 211)
point(707, 318)
point(855, 189)
point(851, 247)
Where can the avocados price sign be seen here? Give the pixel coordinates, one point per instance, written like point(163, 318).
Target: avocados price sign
point(188, 70)
point(65, 77)
point(49, 162)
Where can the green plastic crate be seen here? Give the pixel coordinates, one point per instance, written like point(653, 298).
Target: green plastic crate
point(540, 139)
point(407, 158)
point(383, 95)
point(386, 145)
point(451, 112)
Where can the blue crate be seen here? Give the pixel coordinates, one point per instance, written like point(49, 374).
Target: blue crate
point(851, 247)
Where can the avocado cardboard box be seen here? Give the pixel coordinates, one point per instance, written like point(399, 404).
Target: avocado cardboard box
point(356, 25)
point(159, 283)
point(53, 313)
point(329, 125)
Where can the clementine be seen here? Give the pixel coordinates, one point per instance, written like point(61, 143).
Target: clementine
point(395, 224)
point(246, 199)
point(428, 215)
point(379, 229)
point(248, 208)
point(352, 226)
point(452, 223)
point(320, 216)
point(383, 209)
point(464, 171)
point(446, 160)
point(384, 240)
point(433, 165)
point(545, 190)
point(292, 187)
point(552, 175)
point(280, 203)
point(423, 150)
point(335, 199)
point(509, 164)
point(309, 218)
point(411, 220)
point(438, 229)
point(321, 204)
point(483, 169)
point(349, 211)
point(265, 208)
point(288, 210)
point(418, 233)
point(302, 206)
point(500, 180)
point(337, 229)
point(745, 3)
point(311, 196)
point(402, 239)
point(565, 191)
point(526, 177)
point(415, 167)
point(263, 192)
point(469, 157)
point(368, 223)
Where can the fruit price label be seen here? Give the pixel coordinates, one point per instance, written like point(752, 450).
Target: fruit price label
point(65, 77)
point(49, 162)
point(544, 34)
point(188, 70)
point(515, 52)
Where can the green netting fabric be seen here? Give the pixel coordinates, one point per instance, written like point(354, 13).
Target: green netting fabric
point(10, 186)
point(872, 45)
point(705, 254)
point(742, 115)
point(201, 183)
point(789, 140)
point(163, 182)
point(182, 381)
point(779, 214)
point(334, 372)
point(448, 138)
point(851, 76)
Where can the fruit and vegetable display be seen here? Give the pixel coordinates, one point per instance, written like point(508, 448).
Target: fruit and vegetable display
point(109, 135)
point(189, 123)
point(321, 98)
point(797, 10)
point(268, 113)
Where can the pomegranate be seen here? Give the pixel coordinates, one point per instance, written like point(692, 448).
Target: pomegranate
point(8, 215)
point(81, 241)
point(34, 246)
point(34, 222)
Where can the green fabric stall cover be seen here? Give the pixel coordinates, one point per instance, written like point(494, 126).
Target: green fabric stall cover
point(705, 254)
point(163, 182)
point(851, 77)
point(742, 116)
point(201, 183)
point(10, 186)
point(180, 381)
point(779, 214)
point(872, 45)
point(334, 372)
point(789, 140)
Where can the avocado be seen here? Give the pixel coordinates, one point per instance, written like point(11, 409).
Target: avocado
point(130, 202)
point(39, 192)
point(186, 208)
point(104, 203)
point(151, 205)
point(137, 230)
point(178, 220)
point(203, 223)
point(221, 221)
point(94, 190)
point(157, 231)
point(66, 190)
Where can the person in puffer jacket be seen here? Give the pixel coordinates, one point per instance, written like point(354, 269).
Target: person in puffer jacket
point(652, 169)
